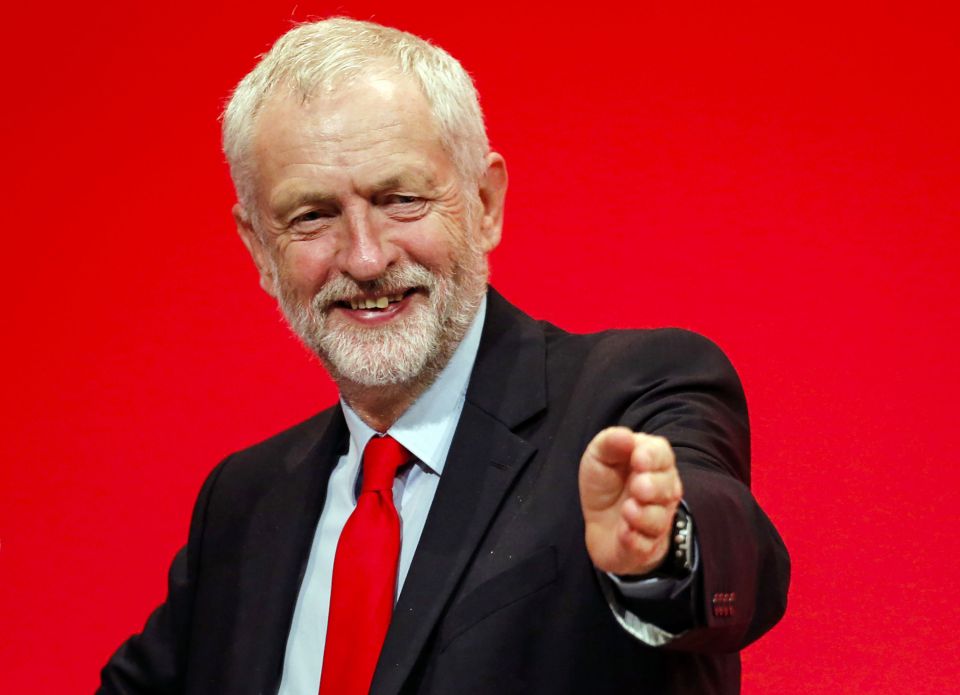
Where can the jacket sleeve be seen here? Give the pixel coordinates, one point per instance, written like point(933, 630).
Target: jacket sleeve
point(690, 394)
point(153, 662)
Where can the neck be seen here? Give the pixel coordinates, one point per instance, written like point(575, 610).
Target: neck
point(380, 406)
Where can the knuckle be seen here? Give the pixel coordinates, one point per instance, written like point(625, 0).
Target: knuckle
point(632, 512)
point(642, 486)
point(663, 445)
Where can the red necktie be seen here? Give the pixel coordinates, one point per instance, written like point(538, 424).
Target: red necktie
point(364, 576)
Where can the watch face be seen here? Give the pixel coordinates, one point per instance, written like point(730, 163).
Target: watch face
point(680, 547)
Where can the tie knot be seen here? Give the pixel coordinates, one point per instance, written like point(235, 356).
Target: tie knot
point(381, 459)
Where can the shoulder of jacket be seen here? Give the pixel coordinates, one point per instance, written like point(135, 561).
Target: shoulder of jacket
point(618, 339)
point(290, 445)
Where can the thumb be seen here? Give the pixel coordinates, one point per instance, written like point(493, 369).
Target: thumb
point(611, 447)
point(604, 468)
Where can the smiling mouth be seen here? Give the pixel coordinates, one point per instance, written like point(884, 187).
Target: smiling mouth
point(382, 301)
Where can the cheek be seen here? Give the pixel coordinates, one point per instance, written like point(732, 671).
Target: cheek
point(438, 245)
point(304, 267)
point(433, 254)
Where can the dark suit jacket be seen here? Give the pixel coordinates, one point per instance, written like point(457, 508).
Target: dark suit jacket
point(501, 596)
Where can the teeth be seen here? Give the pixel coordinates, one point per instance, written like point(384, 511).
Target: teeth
point(378, 303)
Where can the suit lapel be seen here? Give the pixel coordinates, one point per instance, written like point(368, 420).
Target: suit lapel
point(281, 532)
point(507, 387)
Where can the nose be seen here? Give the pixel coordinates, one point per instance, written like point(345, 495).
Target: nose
point(365, 253)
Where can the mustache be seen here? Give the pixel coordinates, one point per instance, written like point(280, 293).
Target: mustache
point(396, 279)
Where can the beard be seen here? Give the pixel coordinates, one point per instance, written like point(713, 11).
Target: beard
point(411, 349)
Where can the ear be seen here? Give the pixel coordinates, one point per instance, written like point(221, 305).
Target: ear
point(493, 192)
point(257, 248)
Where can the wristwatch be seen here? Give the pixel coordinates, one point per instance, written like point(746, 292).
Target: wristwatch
point(679, 559)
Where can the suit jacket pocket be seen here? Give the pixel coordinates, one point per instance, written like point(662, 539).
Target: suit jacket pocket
point(523, 579)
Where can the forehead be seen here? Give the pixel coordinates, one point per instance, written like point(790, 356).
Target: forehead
point(369, 119)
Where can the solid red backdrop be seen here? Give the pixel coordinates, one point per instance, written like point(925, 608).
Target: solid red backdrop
point(782, 180)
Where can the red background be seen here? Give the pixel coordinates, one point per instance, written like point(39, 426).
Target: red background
point(783, 180)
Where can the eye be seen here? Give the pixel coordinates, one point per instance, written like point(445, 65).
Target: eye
point(311, 216)
point(311, 222)
point(402, 199)
point(402, 206)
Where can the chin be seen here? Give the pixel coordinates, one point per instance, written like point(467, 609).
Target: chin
point(389, 355)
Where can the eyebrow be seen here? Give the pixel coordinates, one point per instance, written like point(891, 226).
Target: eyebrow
point(299, 198)
point(403, 181)
point(286, 202)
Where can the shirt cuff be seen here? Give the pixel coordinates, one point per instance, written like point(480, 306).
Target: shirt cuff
point(616, 589)
point(648, 633)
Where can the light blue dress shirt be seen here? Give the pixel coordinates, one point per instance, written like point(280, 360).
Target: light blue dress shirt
point(426, 430)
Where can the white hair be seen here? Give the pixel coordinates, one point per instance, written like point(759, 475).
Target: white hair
point(318, 56)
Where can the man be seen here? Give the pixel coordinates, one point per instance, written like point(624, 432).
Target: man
point(494, 506)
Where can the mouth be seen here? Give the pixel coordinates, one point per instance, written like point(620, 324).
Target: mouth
point(373, 302)
point(372, 308)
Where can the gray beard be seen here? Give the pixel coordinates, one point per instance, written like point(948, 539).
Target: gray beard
point(411, 351)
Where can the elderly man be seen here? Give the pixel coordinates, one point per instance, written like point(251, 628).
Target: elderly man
point(494, 505)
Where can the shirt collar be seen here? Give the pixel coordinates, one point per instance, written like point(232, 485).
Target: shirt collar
point(422, 426)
